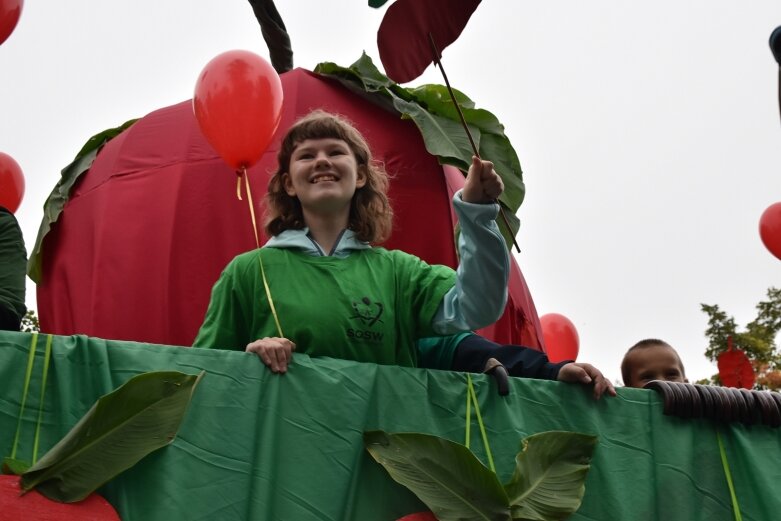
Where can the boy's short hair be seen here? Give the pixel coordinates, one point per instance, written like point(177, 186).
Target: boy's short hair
point(643, 344)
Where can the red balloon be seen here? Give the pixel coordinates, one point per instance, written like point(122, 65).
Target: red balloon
point(10, 10)
point(11, 183)
point(238, 105)
point(770, 229)
point(560, 336)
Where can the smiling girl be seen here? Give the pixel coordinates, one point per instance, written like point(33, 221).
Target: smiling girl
point(333, 292)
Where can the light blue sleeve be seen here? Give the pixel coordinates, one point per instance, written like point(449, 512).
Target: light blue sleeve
point(480, 294)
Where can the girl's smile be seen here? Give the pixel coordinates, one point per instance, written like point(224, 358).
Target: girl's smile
point(323, 175)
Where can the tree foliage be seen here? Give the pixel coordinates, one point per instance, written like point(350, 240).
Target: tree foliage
point(757, 339)
point(30, 322)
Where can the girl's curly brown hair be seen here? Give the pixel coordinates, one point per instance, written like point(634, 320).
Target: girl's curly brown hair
point(371, 216)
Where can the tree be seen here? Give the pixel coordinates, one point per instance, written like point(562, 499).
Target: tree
point(30, 322)
point(757, 340)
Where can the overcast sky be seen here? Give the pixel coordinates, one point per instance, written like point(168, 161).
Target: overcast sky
point(649, 134)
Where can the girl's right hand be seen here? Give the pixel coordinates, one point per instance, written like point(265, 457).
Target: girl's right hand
point(275, 352)
point(483, 185)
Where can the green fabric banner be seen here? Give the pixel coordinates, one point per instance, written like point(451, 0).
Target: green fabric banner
point(255, 445)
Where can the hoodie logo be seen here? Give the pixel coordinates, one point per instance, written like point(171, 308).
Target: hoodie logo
point(367, 313)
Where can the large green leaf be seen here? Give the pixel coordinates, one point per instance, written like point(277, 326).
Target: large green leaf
point(435, 115)
point(550, 474)
point(365, 69)
point(447, 139)
point(122, 427)
point(436, 99)
point(547, 485)
point(492, 146)
point(445, 475)
point(61, 192)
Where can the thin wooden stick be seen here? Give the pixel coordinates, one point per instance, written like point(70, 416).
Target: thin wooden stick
point(438, 63)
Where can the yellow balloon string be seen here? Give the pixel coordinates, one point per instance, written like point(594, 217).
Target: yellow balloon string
point(467, 434)
point(27, 375)
point(471, 392)
point(251, 207)
point(268, 297)
point(46, 358)
point(728, 475)
point(243, 173)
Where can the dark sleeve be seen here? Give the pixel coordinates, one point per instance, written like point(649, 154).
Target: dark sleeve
point(438, 352)
point(474, 351)
point(13, 266)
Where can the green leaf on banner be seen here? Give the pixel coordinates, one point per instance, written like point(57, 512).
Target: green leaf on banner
point(548, 483)
point(54, 204)
point(550, 475)
point(433, 112)
point(445, 475)
point(14, 466)
point(122, 427)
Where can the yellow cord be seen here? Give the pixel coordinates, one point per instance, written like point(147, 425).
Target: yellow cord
point(471, 393)
point(243, 173)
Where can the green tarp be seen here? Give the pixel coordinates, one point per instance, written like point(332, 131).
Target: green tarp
point(255, 445)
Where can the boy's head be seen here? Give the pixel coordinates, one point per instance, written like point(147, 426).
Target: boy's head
point(651, 359)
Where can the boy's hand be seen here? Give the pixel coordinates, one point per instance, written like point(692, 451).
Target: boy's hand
point(275, 352)
point(483, 184)
point(587, 374)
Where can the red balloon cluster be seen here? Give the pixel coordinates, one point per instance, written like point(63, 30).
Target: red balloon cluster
point(238, 105)
point(10, 10)
point(11, 183)
point(560, 336)
point(770, 229)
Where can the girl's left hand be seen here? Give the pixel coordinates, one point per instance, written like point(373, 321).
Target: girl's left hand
point(483, 184)
point(275, 352)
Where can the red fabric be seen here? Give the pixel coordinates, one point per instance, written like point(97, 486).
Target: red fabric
point(403, 37)
point(419, 516)
point(149, 228)
point(34, 505)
